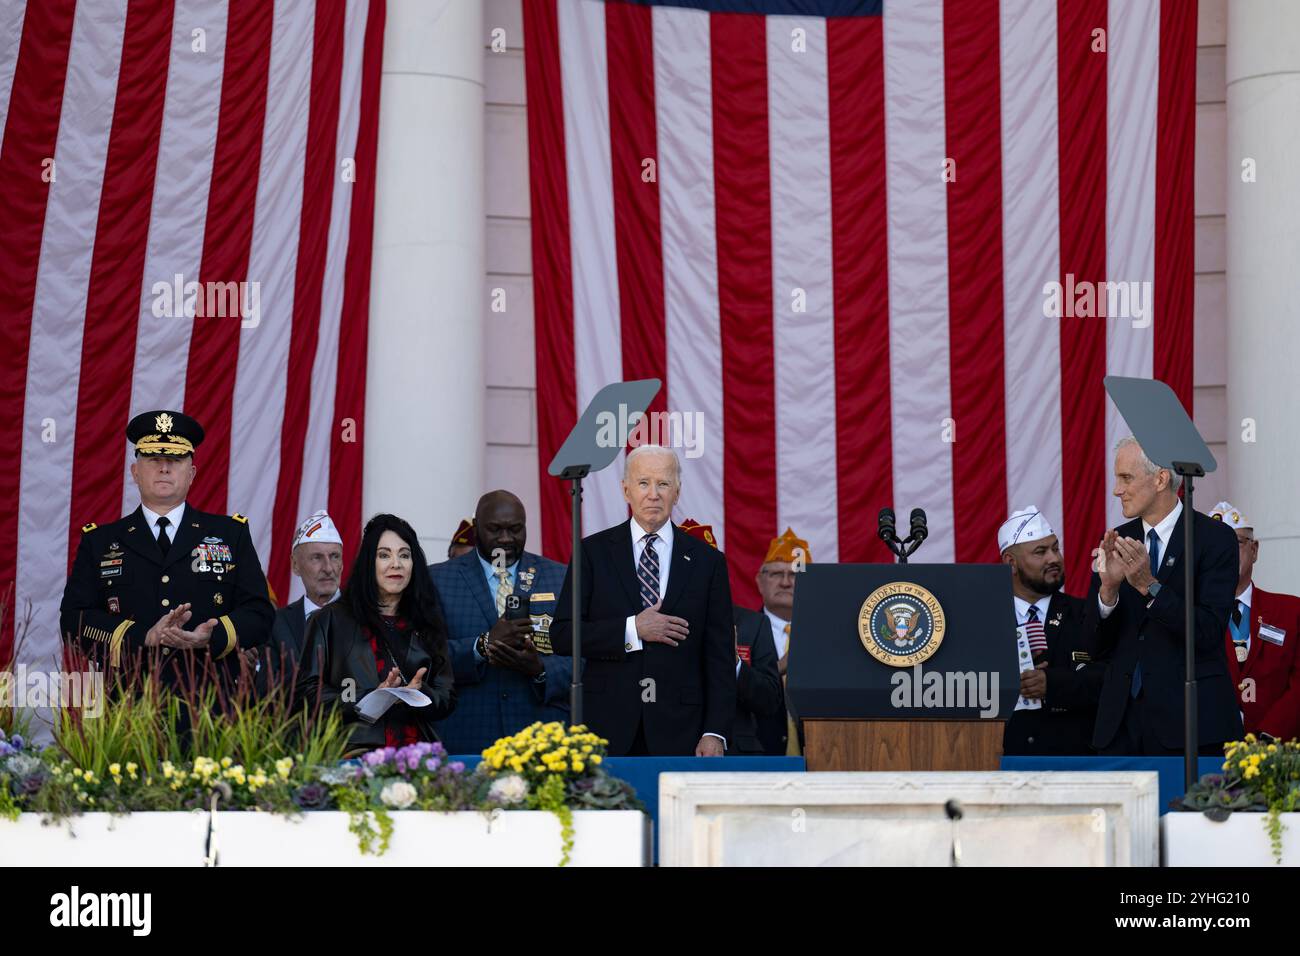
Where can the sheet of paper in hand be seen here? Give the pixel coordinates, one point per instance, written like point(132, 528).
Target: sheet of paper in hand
point(375, 704)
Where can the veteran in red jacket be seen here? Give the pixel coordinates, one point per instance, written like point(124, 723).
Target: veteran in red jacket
point(1261, 642)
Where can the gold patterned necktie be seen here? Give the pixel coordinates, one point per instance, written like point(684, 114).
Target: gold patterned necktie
point(791, 726)
point(503, 591)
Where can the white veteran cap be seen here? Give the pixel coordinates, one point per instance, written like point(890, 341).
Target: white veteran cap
point(1227, 513)
point(1026, 524)
point(318, 528)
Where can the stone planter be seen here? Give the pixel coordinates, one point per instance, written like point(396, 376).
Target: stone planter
point(1193, 839)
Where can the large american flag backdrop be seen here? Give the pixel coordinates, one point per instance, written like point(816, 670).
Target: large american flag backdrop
point(799, 150)
point(217, 141)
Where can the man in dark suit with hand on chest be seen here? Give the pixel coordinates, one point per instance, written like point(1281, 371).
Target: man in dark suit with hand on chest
point(659, 674)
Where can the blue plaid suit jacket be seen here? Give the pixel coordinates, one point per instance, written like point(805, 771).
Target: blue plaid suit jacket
point(492, 702)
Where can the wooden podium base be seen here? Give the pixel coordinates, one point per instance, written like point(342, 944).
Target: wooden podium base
point(903, 744)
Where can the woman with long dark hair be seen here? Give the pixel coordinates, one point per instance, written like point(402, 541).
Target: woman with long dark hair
point(385, 630)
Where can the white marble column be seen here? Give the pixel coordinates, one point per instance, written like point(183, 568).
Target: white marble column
point(1263, 278)
point(424, 373)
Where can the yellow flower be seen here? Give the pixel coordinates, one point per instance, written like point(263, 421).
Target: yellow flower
point(595, 758)
point(226, 762)
point(578, 766)
point(283, 766)
point(115, 769)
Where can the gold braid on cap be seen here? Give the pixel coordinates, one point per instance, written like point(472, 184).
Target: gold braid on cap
point(164, 445)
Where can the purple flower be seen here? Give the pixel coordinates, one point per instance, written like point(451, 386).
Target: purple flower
point(311, 796)
point(432, 764)
point(456, 767)
point(18, 741)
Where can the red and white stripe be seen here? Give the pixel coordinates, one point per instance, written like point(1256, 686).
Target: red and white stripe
point(798, 156)
point(216, 155)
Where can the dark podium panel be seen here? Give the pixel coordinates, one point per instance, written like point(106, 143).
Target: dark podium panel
point(944, 711)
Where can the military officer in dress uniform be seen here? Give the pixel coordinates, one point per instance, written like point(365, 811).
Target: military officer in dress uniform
point(167, 581)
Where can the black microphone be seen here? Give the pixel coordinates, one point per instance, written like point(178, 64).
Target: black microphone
point(919, 531)
point(885, 525)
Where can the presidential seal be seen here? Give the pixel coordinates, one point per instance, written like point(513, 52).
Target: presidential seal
point(901, 624)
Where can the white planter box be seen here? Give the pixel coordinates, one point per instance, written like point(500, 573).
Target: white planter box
point(101, 839)
point(1193, 839)
point(505, 838)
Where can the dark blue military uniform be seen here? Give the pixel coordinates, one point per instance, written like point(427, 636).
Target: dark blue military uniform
point(121, 584)
point(124, 579)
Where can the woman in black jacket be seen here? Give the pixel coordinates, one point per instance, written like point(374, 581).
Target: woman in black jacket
point(384, 631)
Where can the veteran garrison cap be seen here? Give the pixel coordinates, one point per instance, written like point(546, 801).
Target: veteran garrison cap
point(164, 434)
point(465, 534)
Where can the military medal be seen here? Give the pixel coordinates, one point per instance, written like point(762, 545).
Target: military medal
point(217, 599)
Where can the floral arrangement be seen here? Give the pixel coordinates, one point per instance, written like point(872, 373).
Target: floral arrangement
point(543, 767)
point(261, 759)
point(1258, 776)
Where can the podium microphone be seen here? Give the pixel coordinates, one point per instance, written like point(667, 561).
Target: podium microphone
point(952, 809)
point(919, 530)
point(885, 529)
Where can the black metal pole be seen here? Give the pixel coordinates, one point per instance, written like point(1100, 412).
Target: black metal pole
point(575, 580)
point(1191, 745)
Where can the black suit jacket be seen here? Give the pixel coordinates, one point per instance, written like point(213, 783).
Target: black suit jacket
point(1063, 725)
point(278, 665)
point(677, 693)
point(1151, 630)
point(121, 584)
point(759, 695)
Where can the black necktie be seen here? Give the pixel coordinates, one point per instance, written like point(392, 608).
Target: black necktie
point(1236, 614)
point(164, 542)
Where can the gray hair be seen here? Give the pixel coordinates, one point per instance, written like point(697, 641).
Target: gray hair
point(641, 450)
point(1150, 467)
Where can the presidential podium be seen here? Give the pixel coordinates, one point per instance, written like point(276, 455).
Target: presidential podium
point(903, 666)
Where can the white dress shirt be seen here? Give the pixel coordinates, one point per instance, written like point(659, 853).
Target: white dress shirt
point(1244, 597)
point(664, 548)
point(779, 624)
point(309, 607)
point(1023, 606)
point(1164, 534)
point(173, 520)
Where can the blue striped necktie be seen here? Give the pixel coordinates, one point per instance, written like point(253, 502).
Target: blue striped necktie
point(1153, 550)
point(647, 571)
